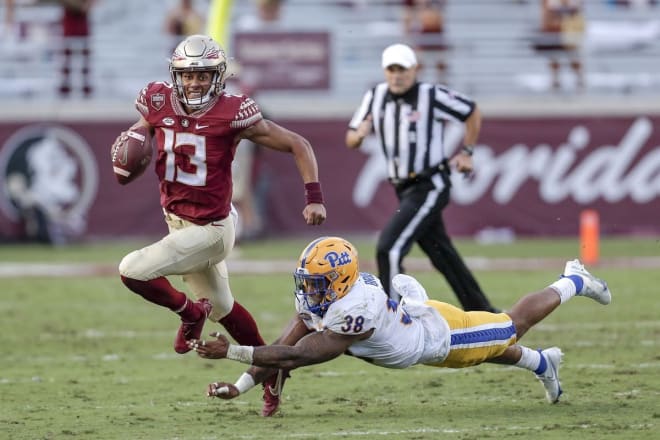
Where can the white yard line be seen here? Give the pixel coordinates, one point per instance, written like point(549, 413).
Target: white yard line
point(13, 269)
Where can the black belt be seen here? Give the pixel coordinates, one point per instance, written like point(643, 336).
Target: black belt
point(424, 175)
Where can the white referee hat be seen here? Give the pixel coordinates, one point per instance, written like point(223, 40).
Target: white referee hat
point(399, 54)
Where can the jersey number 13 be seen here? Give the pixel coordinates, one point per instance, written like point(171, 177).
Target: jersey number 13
point(197, 159)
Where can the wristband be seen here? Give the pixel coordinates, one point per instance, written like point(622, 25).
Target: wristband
point(244, 383)
point(468, 149)
point(240, 353)
point(313, 193)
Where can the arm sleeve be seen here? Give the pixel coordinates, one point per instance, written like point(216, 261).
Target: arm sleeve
point(451, 105)
point(363, 111)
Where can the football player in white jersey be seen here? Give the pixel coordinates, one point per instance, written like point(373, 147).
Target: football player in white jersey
point(341, 310)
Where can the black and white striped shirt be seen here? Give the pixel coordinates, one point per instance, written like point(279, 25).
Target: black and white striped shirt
point(411, 126)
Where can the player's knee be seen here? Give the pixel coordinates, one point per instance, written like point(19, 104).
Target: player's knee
point(219, 312)
point(520, 323)
point(222, 305)
point(130, 267)
point(125, 266)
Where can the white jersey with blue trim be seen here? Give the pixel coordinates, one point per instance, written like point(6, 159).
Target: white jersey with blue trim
point(400, 339)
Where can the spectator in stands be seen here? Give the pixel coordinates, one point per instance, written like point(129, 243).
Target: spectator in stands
point(75, 45)
point(183, 20)
point(8, 22)
point(562, 29)
point(265, 17)
point(423, 24)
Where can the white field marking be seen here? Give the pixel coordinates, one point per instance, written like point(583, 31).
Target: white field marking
point(12, 269)
point(17, 269)
point(577, 326)
point(631, 393)
point(596, 325)
point(111, 357)
point(607, 343)
point(419, 371)
point(100, 334)
point(407, 433)
point(200, 403)
point(641, 366)
point(494, 368)
point(5, 381)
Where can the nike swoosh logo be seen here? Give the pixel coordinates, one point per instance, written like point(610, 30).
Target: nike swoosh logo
point(199, 127)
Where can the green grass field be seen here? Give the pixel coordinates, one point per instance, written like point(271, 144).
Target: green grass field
point(84, 358)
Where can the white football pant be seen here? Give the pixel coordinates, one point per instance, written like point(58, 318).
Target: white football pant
point(195, 252)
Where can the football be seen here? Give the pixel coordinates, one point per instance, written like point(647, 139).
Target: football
point(131, 154)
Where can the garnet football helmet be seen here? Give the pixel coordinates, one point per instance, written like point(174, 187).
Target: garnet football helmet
point(327, 269)
point(198, 53)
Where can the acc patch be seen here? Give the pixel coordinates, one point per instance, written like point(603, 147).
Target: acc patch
point(157, 100)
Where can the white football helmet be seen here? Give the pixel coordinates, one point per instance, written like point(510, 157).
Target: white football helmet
point(198, 53)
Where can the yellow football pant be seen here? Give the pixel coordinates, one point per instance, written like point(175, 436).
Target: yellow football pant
point(475, 336)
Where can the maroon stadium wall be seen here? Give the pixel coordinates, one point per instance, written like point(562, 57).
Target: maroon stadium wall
point(533, 175)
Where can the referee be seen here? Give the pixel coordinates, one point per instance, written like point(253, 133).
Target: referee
point(409, 119)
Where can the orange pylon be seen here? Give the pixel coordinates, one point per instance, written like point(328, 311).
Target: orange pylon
point(589, 236)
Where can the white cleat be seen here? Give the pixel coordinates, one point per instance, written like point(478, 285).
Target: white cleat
point(550, 379)
point(593, 287)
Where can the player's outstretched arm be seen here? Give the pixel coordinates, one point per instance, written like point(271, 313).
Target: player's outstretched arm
point(315, 348)
point(292, 333)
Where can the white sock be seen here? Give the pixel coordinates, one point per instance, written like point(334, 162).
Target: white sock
point(565, 288)
point(530, 359)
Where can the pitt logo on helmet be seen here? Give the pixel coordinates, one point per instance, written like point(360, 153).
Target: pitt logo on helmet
point(335, 259)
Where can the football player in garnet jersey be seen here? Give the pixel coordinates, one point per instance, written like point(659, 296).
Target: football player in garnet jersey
point(340, 310)
point(197, 128)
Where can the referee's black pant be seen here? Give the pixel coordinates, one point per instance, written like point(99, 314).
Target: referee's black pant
point(419, 220)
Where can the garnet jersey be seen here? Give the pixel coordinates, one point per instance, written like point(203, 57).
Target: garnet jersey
point(195, 151)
